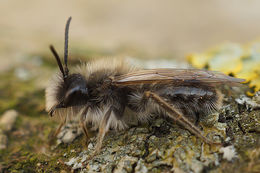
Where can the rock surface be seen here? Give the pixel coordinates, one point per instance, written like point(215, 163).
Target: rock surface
point(7, 120)
point(159, 146)
point(6, 124)
point(163, 145)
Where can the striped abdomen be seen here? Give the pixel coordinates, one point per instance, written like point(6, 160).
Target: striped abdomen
point(193, 101)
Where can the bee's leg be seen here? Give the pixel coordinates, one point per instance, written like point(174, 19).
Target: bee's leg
point(103, 129)
point(59, 128)
point(82, 124)
point(85, 130)
point(54, 136)
point(178, 116)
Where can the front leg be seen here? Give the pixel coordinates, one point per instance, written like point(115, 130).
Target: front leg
point(82, 124)
point(178, 116)
point(103, 129)
point(54, 136)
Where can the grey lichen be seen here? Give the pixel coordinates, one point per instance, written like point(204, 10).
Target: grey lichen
point(249, 103)
point(163, 145)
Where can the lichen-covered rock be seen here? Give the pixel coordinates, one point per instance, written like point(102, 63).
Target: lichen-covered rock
point(159, 146)
point(69, 132)
point(163, 145)
point(229, 152)
point(250, 103)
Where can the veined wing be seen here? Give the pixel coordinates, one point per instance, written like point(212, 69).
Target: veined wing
point(168, 75)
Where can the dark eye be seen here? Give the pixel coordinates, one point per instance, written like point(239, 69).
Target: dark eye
point(74, 91)
point(76, 98)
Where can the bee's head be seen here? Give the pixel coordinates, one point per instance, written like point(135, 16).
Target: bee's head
point(71, 89)
point(71, 92)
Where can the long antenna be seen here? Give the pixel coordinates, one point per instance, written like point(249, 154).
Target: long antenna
point(54, 52)
point(66, 47)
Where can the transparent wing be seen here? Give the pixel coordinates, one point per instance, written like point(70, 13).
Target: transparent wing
point(168, 75)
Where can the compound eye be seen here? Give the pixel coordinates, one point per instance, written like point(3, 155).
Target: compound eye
point(78, 89)
point(76, 92)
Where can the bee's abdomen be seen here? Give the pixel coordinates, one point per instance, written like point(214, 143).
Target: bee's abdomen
point(192, 101)
point(188, 92)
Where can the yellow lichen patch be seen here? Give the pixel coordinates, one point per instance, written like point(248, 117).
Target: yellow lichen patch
point(250, 70)
point(227, 58)
point(256, 84)
point(234, 64)
point(198, 60)
point(240, 61)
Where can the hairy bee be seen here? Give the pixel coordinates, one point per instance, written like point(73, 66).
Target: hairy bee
point(106, 93)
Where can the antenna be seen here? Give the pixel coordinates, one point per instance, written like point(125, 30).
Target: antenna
point(54, 52)
point(66, 48)
point(64, 71)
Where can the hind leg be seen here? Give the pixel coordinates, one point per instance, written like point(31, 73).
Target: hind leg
point(178, 116)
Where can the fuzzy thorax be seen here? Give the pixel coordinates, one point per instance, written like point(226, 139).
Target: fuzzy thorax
point(93, 71)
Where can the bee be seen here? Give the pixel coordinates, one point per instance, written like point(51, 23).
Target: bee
point(106, 93)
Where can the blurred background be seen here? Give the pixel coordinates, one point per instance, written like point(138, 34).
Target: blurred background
point(163, 33)
point(148, 28)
